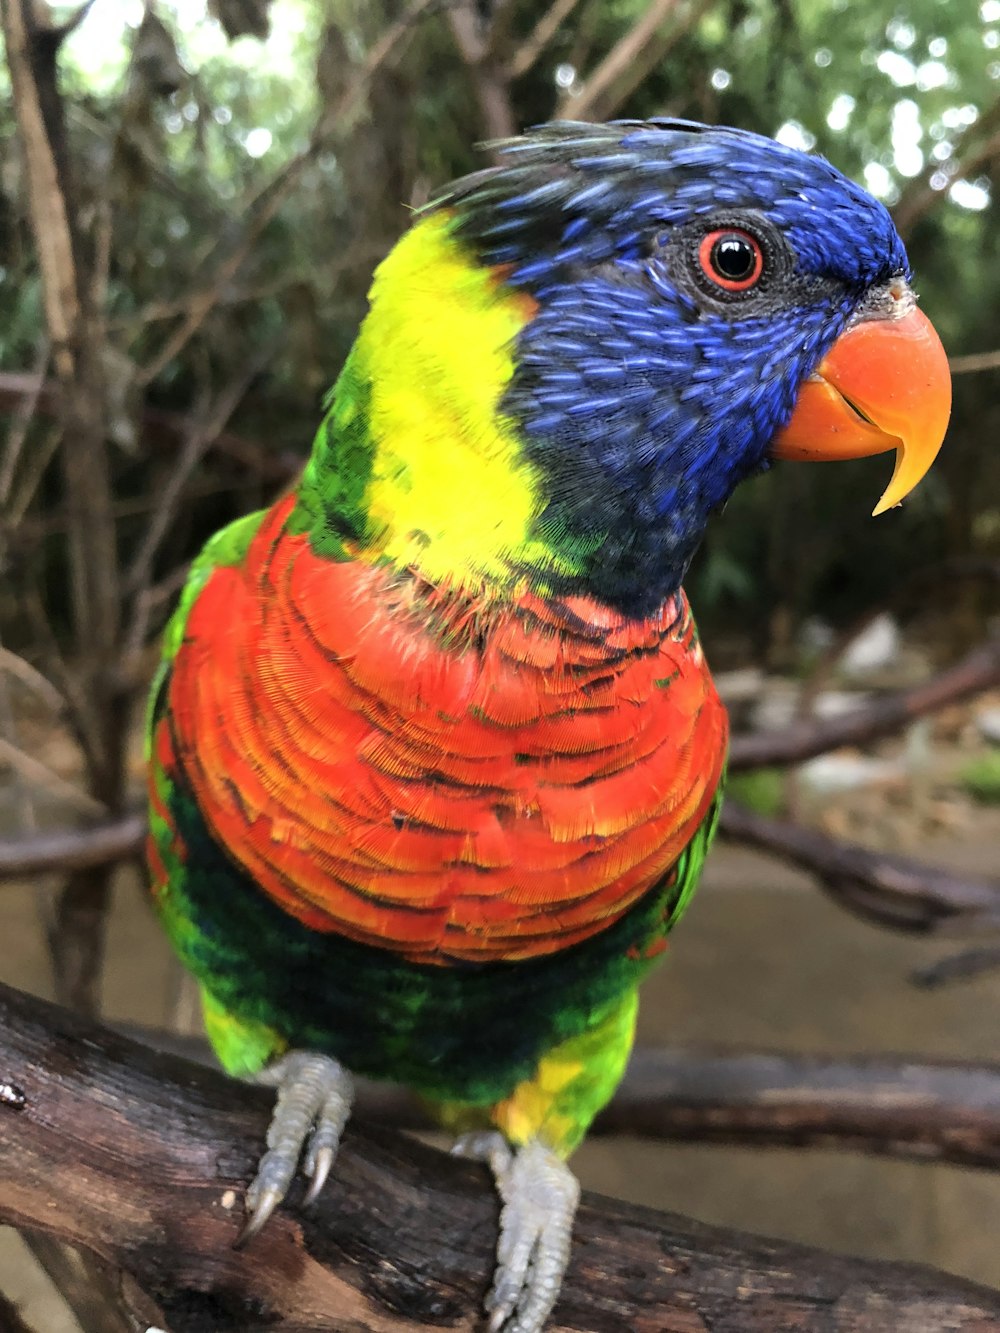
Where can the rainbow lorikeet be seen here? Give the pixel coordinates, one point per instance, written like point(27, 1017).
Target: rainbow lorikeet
point(435, 754)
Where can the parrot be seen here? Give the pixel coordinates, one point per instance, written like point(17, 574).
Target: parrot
point(435, 756)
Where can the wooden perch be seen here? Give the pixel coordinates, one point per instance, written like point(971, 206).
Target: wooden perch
point(143, 1159)
point(940, 1111)
point(885, 1105)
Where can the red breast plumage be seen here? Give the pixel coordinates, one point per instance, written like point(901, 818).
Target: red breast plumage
point(432, 773)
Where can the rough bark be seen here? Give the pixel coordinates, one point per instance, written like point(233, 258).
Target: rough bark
point(143, 1159)
point(885, 1105)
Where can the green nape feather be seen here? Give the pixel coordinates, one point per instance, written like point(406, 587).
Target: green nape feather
point(412, 423)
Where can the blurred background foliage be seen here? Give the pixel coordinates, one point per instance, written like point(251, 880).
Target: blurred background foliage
point(241, 166)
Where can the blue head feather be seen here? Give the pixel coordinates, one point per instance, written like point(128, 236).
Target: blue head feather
point(643, 395)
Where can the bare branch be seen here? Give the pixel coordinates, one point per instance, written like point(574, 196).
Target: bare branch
point(890, 890)
point(24, 413)
point(886, 1105)
point(538, 39)
point(581, 104)
point(76, 335)
point(32, 679)
point(501, 16)
point(970, 152)
point(979, 671)
point(163, 429)
point(975, 361)
point(337, 119)
point(199, 437)
point(89, 1289)
point(607, 100)
point(144, 1159)
point(73, 849)
point(894, 1106)
point(11, 1320)
point(961, 966)
point(489, 81)
point(32, 770)
point(32, 68)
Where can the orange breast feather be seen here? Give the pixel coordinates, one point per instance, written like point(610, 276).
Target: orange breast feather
point(442, 777)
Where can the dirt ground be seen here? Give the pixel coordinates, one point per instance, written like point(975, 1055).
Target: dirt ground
point(763, 960)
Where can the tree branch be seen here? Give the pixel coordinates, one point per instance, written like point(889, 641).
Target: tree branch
point(268, 200)
point(940, 1111)
point(970, 152)
point(979, 671)
point(76, 337)
point(896, 891)
point(973, 362)
point(581, 104)
point(885, 1105)
point(11, 1320)
point(538, 39)
point(489, 80)
point(72, 849)
point(144, 1159)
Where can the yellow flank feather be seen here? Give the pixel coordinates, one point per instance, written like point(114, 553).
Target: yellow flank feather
point(571, 1084)
point(449, 491)
point(242, 1044)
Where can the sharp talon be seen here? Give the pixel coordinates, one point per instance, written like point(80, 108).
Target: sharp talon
point(257, 1219)
point(539, 1195)
point(314, 1102)
point(321, 1169)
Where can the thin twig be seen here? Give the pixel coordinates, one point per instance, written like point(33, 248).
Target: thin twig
point(337, 119)
point(501, 17)
point(609, 101)
point(538, 39)
point(899, 892)
point(489, 80)
point(24, 414)
point(72, 849)
point(147, 601)
point(32, 679)
point(11, 1319)
point(161, 427)
point(137, 578)
point(33, 770)
point(975, 361)
point(963, 966)
point(968, 154)
point(31, 475)
point(579, 105)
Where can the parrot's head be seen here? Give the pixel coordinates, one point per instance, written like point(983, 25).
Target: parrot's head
point(575, 356)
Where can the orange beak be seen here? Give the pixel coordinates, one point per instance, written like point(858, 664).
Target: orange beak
point(883, 385)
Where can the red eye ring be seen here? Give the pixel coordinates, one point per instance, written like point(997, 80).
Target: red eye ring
point(731, 259)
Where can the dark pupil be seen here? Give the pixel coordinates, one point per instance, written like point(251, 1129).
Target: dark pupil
point(733, 258)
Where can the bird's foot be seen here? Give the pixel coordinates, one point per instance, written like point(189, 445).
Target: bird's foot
point(539, 1195)
point(314, 1102)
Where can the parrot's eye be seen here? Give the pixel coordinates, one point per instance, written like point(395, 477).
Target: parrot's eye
point(731, 259)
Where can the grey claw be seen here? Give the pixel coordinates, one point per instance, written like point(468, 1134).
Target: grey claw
point(261, 1210)
point(314, 1103)
point(539, 1195)
point(321, 1162)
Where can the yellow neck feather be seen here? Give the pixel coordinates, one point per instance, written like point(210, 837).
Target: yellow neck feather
point(449, 491)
